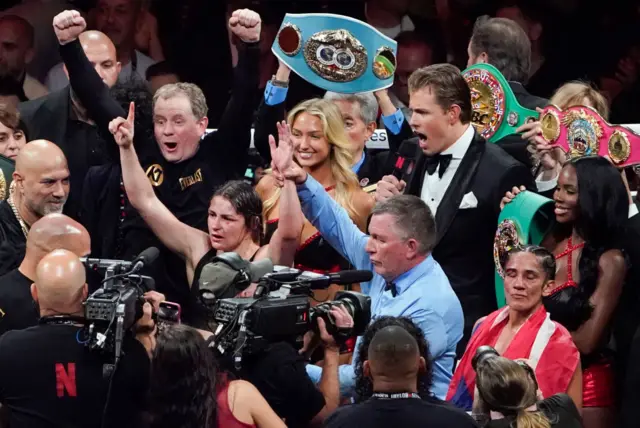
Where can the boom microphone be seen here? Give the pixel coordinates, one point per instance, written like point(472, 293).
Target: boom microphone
point(145, 258)
point(345, 277)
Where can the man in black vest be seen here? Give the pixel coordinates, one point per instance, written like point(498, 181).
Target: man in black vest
point(462, 179)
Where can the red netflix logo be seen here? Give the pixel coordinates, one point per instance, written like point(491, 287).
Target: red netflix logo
point(66, 379)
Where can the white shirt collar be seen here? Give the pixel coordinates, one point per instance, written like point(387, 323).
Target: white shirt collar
point(460, 147)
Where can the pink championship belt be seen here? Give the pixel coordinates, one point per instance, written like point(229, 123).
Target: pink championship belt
point(581, 131)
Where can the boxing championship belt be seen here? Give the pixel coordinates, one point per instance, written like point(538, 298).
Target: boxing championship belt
point(524, 220)
point(496, 111)
point(336, 53)
point(7, 166)
point(581, 131)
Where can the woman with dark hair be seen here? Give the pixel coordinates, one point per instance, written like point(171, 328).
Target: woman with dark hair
point(187, 389)
point(13, 132)
point(591, 210)
point(364, 386)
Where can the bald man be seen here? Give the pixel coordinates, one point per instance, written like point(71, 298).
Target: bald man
point(16, 53)
point(48, 377)
point(53, 231)
point(393, 365)
point(60, 117)
point(40, 187)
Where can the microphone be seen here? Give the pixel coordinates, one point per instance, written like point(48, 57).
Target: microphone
point(318, 281)
point(217, 277)
point(95, 264)
point(405, 161)
point(145, 258)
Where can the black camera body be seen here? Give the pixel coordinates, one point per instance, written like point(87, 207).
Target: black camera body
point(116, 306)
point(248, 325)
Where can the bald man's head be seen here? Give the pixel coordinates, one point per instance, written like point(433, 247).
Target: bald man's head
point(101, 52)
point(42, 178)
point(57, 231)
point(16, 36)
point(394, 354)
point(60, 285)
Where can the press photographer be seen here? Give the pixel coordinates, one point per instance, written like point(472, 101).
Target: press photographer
point(257, 338)
point(507, 396)
point(49, 377)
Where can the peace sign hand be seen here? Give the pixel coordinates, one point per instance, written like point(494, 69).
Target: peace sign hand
point(123, 129)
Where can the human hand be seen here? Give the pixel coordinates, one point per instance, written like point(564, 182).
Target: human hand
point(146, 31)
point(342, 320)
point(389, 186)
point(154, 298)
point(282, 163)
point(123, 129)
point(510, 195)
point(146, 329)
point(246, 24)
point(68, 25)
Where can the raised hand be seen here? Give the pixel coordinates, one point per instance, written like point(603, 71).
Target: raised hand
point(282, 157)
point(510, 195)
point(246, 24)
point(123, 129)
point(532, 132)
point(68, 25)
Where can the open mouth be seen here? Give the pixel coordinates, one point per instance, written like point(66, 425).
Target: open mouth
point(421, 136)
point(305, 155)
point(171, 146)
point(560, 210)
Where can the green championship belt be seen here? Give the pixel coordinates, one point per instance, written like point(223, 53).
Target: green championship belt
point(493, 101)
point(7, 166)
point(524, 220)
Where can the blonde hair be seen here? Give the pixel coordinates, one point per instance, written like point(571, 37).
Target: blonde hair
point(505, 386)
point(340, 157)
point(574, 93)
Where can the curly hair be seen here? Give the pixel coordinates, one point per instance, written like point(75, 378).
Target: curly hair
point(184, 376)
point(602, 215)
point(364, 386)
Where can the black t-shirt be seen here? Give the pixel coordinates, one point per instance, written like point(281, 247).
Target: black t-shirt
point(559, 409)
point(12, 240)
point(280, 375)
point(17, 308)
point(405, 413)
point(49, 379)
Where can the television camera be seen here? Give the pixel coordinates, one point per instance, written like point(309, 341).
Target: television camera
point(116, 306)
point(279, 309)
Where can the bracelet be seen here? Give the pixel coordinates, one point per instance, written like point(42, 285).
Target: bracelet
point(279, 83)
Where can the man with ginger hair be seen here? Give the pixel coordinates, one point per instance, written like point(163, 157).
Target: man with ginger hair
point(53, 231)
point(48, 377)
point(61, 118)
point(40, 187)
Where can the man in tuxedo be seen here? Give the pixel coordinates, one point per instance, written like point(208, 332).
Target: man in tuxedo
point(462, 179)
point(502, 43)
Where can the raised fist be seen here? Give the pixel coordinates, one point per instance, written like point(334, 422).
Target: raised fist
point(68, 25)
point(246, 24)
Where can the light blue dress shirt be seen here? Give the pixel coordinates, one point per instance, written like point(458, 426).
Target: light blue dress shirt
point(424, 292)
point(394, 122)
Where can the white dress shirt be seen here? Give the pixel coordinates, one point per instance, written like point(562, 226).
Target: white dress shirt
point(434, 187)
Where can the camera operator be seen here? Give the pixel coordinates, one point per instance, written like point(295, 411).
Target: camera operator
point(279, 373)
point(47, 375)
point(507, 396)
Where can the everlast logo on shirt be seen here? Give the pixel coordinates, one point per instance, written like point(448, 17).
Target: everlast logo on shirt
point(155, 174)
point(191, 180)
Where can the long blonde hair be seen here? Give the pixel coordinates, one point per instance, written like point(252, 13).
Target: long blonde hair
point(340, 157)
point(574, 93)
point(505, 386)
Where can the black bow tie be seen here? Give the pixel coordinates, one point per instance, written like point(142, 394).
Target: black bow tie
point(391, 286)
point(435, 160)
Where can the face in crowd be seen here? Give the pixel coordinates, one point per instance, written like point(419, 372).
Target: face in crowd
point(177, 129)
point(117, 19)
point(357, 130)
point(312, 147)
point(566, 195)
point(432, 123)
point(227, 227)
point(12, 140)
point(525, 282)
point(16, 46)
point(101, 53)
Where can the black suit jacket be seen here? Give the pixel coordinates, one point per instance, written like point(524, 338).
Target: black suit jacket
point(464, 245)
point(46, 117)
point(514, 144)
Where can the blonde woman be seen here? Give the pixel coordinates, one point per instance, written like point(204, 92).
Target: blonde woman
point(507, 396)
point(322, 148)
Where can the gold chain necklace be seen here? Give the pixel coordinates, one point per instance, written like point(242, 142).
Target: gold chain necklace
point(23, 225)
